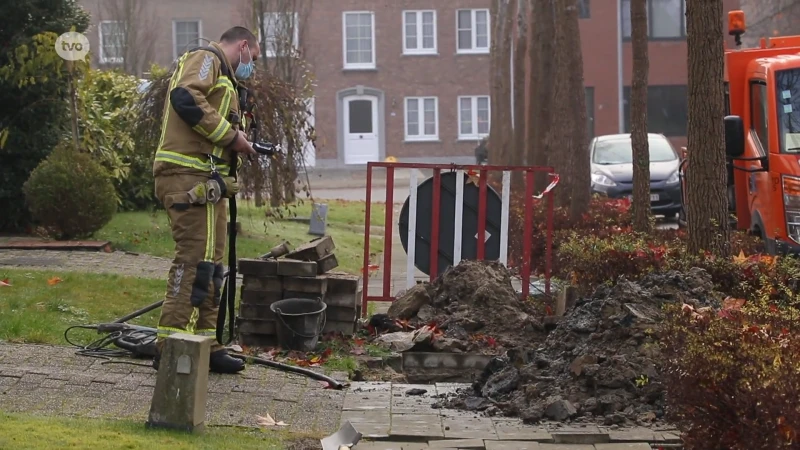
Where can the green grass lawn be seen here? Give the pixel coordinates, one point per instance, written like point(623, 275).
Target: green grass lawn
point(149, 233)
point(24, 432)
point(40, 305)
point(35, 311)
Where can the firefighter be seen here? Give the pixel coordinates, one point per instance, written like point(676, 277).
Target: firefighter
point(199, 138)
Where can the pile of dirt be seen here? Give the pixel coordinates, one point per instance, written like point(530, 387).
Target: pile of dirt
point(474, 304)
point(601, 363)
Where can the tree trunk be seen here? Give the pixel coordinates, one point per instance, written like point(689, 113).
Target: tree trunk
point(707, 208)
point(501, 132)
point(541, 48)
point(520, 93)
point(571, 136)
point(638, 120)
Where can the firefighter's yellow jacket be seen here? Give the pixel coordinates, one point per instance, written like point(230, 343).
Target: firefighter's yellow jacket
point(196, 122)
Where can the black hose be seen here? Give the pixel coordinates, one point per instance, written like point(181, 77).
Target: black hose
point(140, 312)
point(334, 384)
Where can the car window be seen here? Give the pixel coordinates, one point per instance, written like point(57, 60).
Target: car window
point(619, 151)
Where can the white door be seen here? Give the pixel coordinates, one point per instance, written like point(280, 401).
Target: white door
point(309, 151)
point(361, 129)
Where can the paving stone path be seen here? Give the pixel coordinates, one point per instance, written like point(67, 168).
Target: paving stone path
point(54, 381)
point(122, 263)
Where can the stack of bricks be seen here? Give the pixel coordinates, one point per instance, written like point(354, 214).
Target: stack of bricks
point(303, 273)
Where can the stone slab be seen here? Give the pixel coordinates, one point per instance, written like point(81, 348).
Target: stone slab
point(255, 326)
point(517, 431)
point(256, 311)
point(468, 428)
point(623, 446)
point(433, 360)
point(366, 445)
point(512, 445)
point(580, 437)
point(350, 300)
point(565, 447)
point(342, 283)
point(416, 426)
point(457, 443)
point(346, 328)
point(634, 435)
point(265, 298)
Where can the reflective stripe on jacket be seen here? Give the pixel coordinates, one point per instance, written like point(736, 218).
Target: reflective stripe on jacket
point(196, 113)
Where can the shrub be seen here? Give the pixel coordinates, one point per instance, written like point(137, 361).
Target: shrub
point(70, 195)
point(734, 374)
point(110, 105)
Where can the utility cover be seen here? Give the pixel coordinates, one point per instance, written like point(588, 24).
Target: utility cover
point(447, 214)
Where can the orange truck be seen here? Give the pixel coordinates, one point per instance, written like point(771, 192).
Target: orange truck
point(762, 138)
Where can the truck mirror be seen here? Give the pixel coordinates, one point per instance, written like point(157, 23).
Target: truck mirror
point(734, 136)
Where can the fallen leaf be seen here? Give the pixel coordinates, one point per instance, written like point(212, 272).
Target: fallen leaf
point(491, 341)
point(4, 283)
point(54, 281)
point(740, 258)
point(269, 422)
point(733, 303)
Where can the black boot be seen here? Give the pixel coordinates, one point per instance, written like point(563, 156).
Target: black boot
point(156, 359)
point(221, 362)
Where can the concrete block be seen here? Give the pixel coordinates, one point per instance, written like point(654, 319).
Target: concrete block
point(265, 283)
point(342, 283)
point(350, 300)
point(346, 328)
point(258, 267)
point(259, 312)
point(327, 264)
point(179, 397)
point(340, 313)
point(314, 250)
point(566, 299)
point(265, 298)
point(318, 219)
point(312, 285)
point(308, 295)
point(255, 326)
point(512, 445)
point(457, 443)
point(292, 268)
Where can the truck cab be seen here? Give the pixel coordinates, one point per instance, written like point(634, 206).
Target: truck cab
point(762, 137)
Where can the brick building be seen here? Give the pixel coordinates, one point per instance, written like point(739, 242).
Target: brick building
point(411, 80)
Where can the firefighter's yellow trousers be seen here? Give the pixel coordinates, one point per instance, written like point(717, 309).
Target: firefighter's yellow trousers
point(195, 279)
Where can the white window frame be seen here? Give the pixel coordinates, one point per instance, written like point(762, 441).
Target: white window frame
point(421, 119)
point(101, 54)
point(474, 136)
point(275, 16)
point(358, 66)
point(420, 50)
point(474, 37)
point(175, 34)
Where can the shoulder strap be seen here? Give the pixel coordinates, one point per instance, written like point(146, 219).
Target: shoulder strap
point(223, 63)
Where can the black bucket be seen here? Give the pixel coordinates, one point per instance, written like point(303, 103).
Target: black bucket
point(299, 322)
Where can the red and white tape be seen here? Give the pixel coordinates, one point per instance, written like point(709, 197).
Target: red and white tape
point(549, 187)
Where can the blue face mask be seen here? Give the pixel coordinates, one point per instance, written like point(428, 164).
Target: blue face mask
point(243, 71)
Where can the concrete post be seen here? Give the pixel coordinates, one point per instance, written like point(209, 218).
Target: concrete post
point(179, 398)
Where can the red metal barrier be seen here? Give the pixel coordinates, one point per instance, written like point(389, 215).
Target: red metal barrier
point(461, 171)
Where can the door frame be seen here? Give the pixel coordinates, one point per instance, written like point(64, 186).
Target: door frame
point(341, 133)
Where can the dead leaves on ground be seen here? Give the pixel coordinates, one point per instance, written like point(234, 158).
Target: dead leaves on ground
point(268, 421)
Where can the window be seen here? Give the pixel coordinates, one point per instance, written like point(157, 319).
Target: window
point(422, 118)
point(281, 33)
point(589, 110)
point(112, 41)
point(583, 9)
point(419, 32)
point(359, 40)
point(666, 110)
point(787, 89)
point(473, 117)
point(185, 36)
point(758, 110)
point(473, 30)
point(666, 19)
